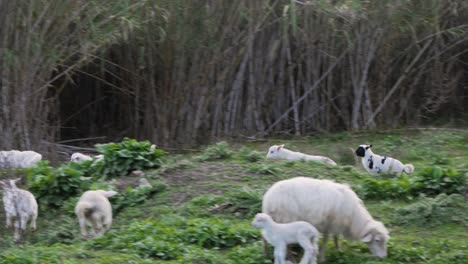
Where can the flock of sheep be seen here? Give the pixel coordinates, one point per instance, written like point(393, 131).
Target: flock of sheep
point(294, 211)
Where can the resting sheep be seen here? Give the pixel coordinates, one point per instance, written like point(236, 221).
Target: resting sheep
point(279, 152)
point(330, 207)
point(94, 209)
point(376, 164)
point(20, 207)
point(281, 235)
point(19, 159)
point(79, 157)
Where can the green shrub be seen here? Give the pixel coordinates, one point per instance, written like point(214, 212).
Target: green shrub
point(134, 196)
point(250, 254)
point(382, 189)
point(52, 186)
point(249, 155)
point(218, 151)
point(439, 210)
point(435, 180)
point(123, 157)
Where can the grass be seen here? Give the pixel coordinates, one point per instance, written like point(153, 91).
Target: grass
point(203, 215)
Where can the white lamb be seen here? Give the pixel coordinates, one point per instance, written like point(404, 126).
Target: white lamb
point(330, 207)
point(279, 152)
point(374, 163)
point(281, 235)
point(19, 159)
point(79, 157)
point(20, 208)
point(94, 209)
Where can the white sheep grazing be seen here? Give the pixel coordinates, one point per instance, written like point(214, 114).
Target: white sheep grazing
point(376, 164)
point(20, 208)
point(279, 152)
point(94, 209)
point(330, 207)
point(281, 235)
point(19, 159)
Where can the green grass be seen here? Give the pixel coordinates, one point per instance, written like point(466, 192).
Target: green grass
point(203, 214)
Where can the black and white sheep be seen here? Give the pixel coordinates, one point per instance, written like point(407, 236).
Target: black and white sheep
point(374, 163)
point(20, 208)
point(330, 207)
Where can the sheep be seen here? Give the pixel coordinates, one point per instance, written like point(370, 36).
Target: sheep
point(79, 157)
point(280, 235)
point(20, 208)
point(330, 207)
point(376, 164)
point(279, 152)
point(94, 209)
point(19, 159)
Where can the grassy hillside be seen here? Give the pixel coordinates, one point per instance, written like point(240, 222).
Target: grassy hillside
point(202, 203)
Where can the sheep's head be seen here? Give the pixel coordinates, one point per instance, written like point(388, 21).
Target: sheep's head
point(274, 150)
point(9, 184)
point(376, 239)
point(361, 150)
point(78, 157)
point(261, 220)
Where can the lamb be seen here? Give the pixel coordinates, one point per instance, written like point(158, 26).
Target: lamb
point(79, 157)
point(20, 208)
point(279, 152)
point(330, 207)
point(94, 209)
point(376, 164)
point(280, 235)
point(19, 159)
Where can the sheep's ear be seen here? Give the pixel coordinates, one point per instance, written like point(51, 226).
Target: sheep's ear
point(16, 180)
point(367, 238)
point(370, 146)
point(109, 193)
point(280, 147)
point(3, 184)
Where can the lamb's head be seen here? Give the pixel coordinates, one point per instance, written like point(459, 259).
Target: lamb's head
point(274, 151)
point(261, 220)
point(376, 239)
point(78, 157)
point(9, 184)
point(361, 150)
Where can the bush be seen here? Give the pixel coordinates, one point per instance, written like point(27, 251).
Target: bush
point(123, 157)
point(439, 210)
point(134, 196)
point(435, 180)
point(381, 189)
point(219, 151)
point(52, 186)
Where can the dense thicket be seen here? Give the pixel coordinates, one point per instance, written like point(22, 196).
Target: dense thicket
point(180, 72)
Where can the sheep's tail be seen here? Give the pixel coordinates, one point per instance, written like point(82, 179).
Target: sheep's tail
point(409, 168)
point(83, 209)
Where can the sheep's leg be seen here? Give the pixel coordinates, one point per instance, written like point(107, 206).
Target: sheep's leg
point(323, 247)
point(17, 235)
point(83, 227)
point(337, 245)
point(280, 254)
point(33, 223)
point(97, 225)
point(309, 250)
point(9, 219)
point(265, 247)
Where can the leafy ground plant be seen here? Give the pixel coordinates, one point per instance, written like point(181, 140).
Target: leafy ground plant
point(218, 151)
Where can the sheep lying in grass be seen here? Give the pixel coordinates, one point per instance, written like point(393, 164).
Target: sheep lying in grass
point(280, 235)
point(279, 152)
point(94, 209)
point(330, 207)
point(79, 157)
point(19, 159)
point(20, 208)
point(376, 164)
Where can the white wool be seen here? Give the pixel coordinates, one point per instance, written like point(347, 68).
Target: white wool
point(19, 159)
point(20, 207)
point(374, 163)
point(94, 209)
point(79, 157)
point(279, 152)
point(281, 235)
point(330, 207)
